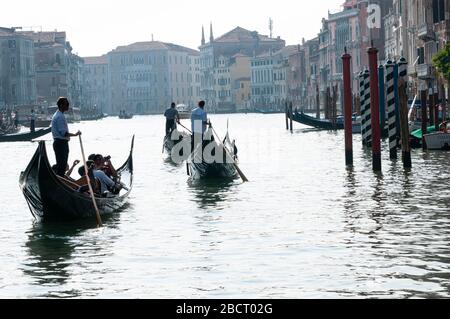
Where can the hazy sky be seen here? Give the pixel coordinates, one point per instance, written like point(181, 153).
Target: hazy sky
point(95, 27)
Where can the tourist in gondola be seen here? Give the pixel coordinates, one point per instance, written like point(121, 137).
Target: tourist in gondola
point(61, 136)
point(172, 117)
point(104, 164)
point(199, 122)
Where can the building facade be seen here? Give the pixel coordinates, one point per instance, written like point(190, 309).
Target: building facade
point(17, 69)
point(58, 70)
point(96, 86)
point(146, 77)
point(216, 58)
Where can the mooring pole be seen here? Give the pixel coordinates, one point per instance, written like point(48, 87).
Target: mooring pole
point(431, 104)
point(317, 102)
point(423, 99)
point(392, 127)
point(291, 113)
point(382, 102)
point(436, 108)
point(348, 109)
point(287, 117)
point(375, 109)
point(404, 124)
point(366, 127)
point(397, 106)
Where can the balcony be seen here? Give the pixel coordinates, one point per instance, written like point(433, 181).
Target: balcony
point(424, 71)
point(425, 32)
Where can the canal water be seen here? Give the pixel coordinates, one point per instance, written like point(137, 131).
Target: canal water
point(303, 227)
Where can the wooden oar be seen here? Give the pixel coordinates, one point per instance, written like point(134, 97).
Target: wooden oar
point(241, 174)
point(99, 219)
point(185, 128)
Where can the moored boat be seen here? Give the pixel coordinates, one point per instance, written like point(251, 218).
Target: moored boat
point(184, 111)
point(24, 137)
point(49, 198)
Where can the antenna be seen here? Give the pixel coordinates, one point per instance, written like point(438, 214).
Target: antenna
point(271, 27)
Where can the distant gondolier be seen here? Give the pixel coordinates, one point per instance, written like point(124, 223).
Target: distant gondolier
point(61, 136)
point(172, 117)
point(199, 121)
point(16, 119)
point(32, 121)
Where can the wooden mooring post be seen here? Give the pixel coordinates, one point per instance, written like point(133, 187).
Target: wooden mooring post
point(404, 124)
point(287, 117)
point(291, 117)
point(348, 109)
point(423, 99)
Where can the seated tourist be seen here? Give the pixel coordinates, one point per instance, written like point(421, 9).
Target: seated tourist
point(105, 165)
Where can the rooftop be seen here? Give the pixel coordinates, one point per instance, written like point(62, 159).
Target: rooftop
point(154, 46)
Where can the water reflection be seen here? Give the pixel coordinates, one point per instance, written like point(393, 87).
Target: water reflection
point(211, 193)
point(52, 249)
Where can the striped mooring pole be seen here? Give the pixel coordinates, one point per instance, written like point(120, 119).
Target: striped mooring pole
point(392, 125)
point(397, 105)
point(366, 127)
point(382, 87)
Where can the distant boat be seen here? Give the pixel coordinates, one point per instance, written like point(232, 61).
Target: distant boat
point(125, 116)
point(184, 111)
point(439, 140)
point(261, 111)
point(24, 137)
point(307, 120)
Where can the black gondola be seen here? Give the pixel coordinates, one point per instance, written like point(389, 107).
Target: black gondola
point(24, 137)
point(174, 139)
point(50, 199)
point(200, 167)
point(304, 119)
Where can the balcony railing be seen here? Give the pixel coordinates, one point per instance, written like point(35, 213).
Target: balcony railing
point(426, 32)
point(424, 71)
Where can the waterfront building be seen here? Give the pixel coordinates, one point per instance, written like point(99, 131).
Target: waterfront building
point(217, 58)
point(96, 86)
point(58, 69)
point(17, 69)
point(146, 77)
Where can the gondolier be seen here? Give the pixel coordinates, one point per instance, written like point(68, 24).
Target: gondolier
point(199, 121)
point(172, 117)
point(32, 121)
point(61, 136)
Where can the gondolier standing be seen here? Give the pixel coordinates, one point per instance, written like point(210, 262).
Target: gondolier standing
point(32, 121)
point(199, 120)
point(61, 136)
point(172, 117)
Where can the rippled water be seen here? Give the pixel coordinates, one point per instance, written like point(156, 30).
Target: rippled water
point(303, 227)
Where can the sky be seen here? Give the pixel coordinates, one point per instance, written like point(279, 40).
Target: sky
point(95, 27)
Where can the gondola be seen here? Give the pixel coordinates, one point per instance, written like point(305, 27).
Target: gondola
point(304, 119)
point(50, 199)
point(174, 139)
point(200, 167)
point(24, 137)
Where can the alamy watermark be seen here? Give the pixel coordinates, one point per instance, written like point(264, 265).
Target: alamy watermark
point(374, 18)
